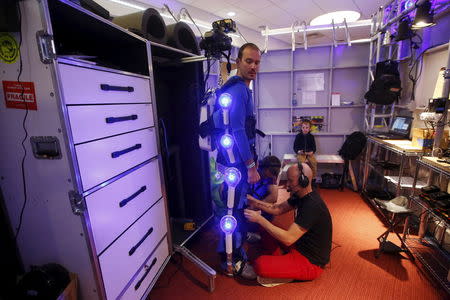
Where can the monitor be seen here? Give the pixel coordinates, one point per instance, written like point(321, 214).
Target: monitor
point(401, 125)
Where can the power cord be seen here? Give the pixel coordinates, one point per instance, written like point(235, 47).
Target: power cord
point(192, 20)
point(19, 226)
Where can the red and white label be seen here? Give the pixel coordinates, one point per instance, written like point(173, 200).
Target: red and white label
point(20, 95)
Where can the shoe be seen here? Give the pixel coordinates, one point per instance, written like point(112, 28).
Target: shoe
point(245, 270)
point(253, 237)
point(271, 282)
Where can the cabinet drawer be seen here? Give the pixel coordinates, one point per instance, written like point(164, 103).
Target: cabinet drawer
point(90, 122)
point(115, 207)
point(100, 160)
point(89, 86)
point(116, 263)
point(145, 276)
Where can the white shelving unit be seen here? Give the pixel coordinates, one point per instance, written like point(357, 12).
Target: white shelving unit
point(344, 71)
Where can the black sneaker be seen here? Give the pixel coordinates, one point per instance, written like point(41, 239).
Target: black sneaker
point(245, 270)
point(253, 237)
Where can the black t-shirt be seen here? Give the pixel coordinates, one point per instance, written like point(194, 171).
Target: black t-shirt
point(313, 215)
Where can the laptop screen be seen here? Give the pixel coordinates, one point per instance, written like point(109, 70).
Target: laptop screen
point(401, 125)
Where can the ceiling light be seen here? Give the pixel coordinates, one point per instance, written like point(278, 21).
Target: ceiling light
point(337, 16)
point(424, 16)
point(231, 14)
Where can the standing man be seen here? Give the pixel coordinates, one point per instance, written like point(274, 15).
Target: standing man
point(302, 251)
point(241, 126)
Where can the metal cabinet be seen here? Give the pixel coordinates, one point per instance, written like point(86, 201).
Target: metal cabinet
point(429, 241)
point(98, 207)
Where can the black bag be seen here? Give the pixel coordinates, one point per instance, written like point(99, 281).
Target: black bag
point(353, 145)
point(386, 87)
point(330, 180)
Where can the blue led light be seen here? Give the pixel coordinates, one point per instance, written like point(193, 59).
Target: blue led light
point(228, 224)
point(226, 141)
point(232, 177)
point(409, 3)
point(225, 100)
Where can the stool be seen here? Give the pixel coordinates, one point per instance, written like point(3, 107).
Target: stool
point(400, 213)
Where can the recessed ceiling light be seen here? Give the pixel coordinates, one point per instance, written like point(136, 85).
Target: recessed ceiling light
point(337, 16)
point(231, 14)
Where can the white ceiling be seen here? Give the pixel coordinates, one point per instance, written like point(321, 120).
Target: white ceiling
point(283, 13)
point(252, 14)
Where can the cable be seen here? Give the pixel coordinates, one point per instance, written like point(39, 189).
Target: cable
point(19, 226)
point(192, 20)
point(241, 34)
point(178, 265)
point(170, 12)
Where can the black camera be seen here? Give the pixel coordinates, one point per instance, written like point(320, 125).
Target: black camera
point(216, 41)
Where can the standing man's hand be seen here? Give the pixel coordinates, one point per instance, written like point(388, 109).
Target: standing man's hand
point(253, 175)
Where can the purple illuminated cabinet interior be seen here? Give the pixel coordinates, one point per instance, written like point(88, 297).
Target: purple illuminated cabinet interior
point(95, 194)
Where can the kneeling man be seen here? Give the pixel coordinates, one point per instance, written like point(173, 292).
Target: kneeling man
point(302, 251)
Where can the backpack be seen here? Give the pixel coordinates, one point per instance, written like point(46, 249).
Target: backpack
point(353, 145)
point(386, 87)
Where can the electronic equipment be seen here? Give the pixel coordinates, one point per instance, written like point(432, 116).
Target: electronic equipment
point(216, 41)
point(399, 130)
point(303, 180)
point(436, 105)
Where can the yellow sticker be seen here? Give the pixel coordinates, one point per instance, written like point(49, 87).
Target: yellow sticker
point(9, 50)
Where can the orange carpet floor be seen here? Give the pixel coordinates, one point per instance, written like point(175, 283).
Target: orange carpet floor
point(354, 272)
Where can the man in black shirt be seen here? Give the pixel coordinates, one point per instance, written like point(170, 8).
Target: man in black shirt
point(306, 244)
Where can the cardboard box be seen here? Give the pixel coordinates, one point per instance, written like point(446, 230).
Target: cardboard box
point(70, 292)
point(424, 137)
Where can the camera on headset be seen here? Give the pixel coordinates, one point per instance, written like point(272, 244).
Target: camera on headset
point(216, 40)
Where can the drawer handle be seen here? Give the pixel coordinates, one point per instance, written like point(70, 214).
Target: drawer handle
point(110, 120)
point(138, 284)
point(126, 200)
point(107, 87)
point(134, 248)
point(116, 154)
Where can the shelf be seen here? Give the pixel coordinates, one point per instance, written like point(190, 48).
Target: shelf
point(351, 67)
point(314, 133)
point(310, 107)
point(435, 260)
point(348, 106)
point(274, 71)
point(312, 69)
point(406, 181)
point(274, 107)
point(315, 69)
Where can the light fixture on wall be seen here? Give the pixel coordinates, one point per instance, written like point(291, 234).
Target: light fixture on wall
point(424, 16)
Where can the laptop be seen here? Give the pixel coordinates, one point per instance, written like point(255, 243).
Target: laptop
point(399, 130)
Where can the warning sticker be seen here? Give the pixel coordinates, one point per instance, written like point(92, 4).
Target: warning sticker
point(9, 50)
point(19, 95)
